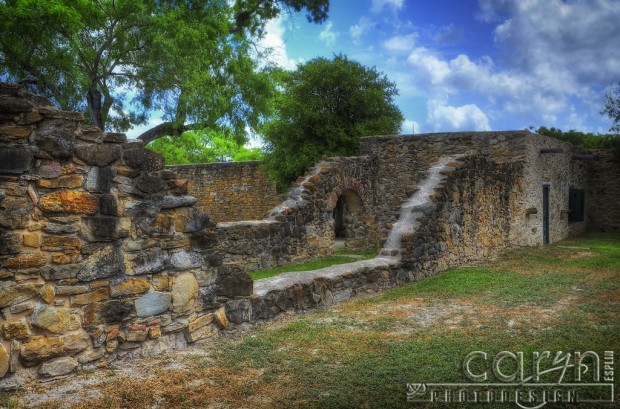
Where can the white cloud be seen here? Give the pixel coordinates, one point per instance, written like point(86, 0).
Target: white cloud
point(328, 36)
point(443, 117)
point(379, 5)
point(410, 126)
point(400, 43)
point(363, 25)
point(577, 35)
point(274, 41)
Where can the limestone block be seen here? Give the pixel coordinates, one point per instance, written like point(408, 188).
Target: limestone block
point(15, 212)
point(129, 286)
point(90, 355)
point(149, 262)
point(104, 262)
point(41, 348)
point(12, 105)
point(75, 342)
point(143, 159)
point(148, 183)
point(13, 293)
point(57, 141)
point(63, 244)
point(172, 202)
point(5, 361)
point(98, 155)
point(68, 181)
point(58, 367)
point(55, 319)
point(99, 294)
point(16, 159)
point(184, 292)
point(115, 137)
point(185, 260)
point(89, 133)
point(201, 333)
point(70, 201)
point(153, 303)
point(26, 260)
point(16, 329)
point(10, 242)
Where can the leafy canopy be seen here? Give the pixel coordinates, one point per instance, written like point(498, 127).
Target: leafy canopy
point(203, 147)
point(612, 108)
point(324, 108)
point(585, 140)
point(192, 59)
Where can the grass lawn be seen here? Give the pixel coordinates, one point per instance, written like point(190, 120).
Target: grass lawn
point(341, 256)
point(363, 352)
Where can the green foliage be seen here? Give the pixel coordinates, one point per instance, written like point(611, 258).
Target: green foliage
point(203, 147)
point(585, 140)
point(612, 108)
point(325, 107)
point(193, 60)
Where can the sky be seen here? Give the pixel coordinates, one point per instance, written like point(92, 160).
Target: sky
point(473, 65)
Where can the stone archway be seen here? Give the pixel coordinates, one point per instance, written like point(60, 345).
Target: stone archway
point(352, 222)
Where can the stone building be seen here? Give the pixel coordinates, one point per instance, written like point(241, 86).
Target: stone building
point(105, 256)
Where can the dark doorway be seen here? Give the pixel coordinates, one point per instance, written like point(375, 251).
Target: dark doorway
point(339, 218)
point(352, 224)
point(545, 214)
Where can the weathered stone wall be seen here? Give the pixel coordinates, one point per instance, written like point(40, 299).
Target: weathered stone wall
point(465, 217)
point(603, 192)
point(231, 191)
point(401, 161)
point(98, 247)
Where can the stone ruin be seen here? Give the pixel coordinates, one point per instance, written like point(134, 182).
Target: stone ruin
point(105, 256)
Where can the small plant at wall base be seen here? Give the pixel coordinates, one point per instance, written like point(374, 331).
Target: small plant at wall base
point(325, 107)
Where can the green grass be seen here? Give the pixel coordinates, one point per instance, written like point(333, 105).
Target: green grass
point(362, 353)
point(342, 256)
point(360, 363)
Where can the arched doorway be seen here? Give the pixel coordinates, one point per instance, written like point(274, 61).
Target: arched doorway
point(352, 224)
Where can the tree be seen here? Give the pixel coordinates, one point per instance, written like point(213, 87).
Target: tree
point(325, 107)
point(192, 59)
point(203, 147)
point(612, 108)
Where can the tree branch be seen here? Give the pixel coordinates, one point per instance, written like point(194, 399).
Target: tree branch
point(167, 129)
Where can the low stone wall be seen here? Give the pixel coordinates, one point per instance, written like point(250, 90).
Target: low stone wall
point(464, 217)
point(603, 192)
point(230, 191)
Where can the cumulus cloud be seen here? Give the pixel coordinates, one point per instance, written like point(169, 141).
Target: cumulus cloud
point(364, 25)
point(274, 41)
point(443, 117)
point(400, 43)
point(328, 36)
point(379, 5)
point(576, 35)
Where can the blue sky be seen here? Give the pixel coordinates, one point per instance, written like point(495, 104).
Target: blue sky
point(471, 65)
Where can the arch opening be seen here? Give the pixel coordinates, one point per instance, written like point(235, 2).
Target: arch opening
point(352, 223)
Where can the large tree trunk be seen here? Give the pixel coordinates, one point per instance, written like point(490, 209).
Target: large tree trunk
point(93, 98)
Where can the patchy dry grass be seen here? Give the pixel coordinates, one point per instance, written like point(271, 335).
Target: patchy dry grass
point(361, 353)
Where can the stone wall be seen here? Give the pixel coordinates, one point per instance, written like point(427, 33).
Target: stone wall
point(603, 192)
point(104, 254)
point(230, 191)
point(464, 216)
point(402, 161)
point(98, 247)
